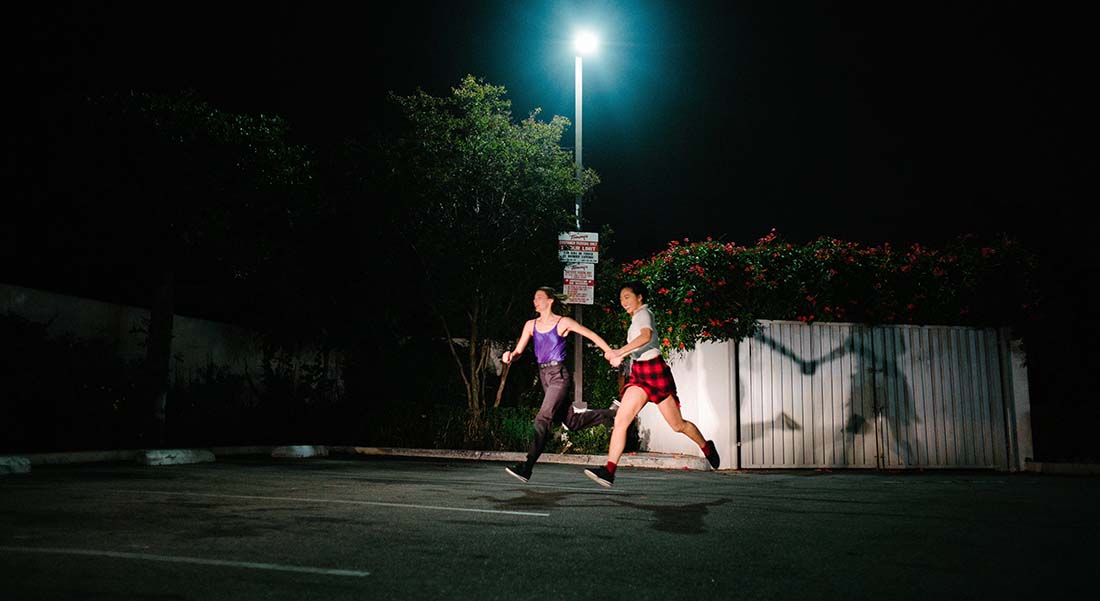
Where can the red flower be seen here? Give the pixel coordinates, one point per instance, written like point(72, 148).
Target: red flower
point(666, 342)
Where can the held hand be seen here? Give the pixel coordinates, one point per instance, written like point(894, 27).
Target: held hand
point(507, 357)
point(609, 354)
point(809, 367)
point(616, 361)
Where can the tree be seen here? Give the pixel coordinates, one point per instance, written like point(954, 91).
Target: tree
point(198, 196)
point(478, 201)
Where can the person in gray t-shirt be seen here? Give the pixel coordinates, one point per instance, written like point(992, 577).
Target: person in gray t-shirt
point(650, 382)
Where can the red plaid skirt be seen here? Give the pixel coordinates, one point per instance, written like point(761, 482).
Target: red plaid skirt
point(654, 377)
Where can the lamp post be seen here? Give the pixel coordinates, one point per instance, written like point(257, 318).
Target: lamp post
point(585, 42)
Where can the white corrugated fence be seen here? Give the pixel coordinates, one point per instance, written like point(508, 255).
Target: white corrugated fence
point(854, 396)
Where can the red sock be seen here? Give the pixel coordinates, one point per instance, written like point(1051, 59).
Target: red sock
point(706, 449)
point(611, 467)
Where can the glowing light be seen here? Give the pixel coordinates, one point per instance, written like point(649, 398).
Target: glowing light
point(585, 42)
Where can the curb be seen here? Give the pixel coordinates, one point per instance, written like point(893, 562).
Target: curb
point(650, 460)
point(14, 465)
point(174, 456)
point(1065, 469)
point(187, 456)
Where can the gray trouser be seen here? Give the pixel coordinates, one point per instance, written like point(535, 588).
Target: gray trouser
point(557, 408)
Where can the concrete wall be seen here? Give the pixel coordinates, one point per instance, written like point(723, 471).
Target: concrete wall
point(196, 343)
point(705, 382)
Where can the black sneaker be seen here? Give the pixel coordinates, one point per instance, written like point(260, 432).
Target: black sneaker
point(521, 471)
point(601, 476)
point(712, 455)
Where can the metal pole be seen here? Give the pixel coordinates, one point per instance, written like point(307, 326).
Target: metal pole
point(578, 372)
point(577, 133)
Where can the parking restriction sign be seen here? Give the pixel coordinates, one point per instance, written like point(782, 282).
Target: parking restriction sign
point(579, 247)
point(580, 279)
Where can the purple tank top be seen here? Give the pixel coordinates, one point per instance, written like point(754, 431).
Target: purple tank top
point(549, 346)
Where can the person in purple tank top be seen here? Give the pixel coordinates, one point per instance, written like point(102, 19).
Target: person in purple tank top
point(549, 331)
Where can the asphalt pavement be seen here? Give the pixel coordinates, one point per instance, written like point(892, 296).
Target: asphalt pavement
point(382, 527)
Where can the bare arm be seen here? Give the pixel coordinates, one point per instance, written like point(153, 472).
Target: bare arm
point(520, 344)
point(642, 340)
point(570, 325)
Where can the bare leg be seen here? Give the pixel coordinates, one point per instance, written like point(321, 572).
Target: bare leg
point(671, 412)
point(632, 402)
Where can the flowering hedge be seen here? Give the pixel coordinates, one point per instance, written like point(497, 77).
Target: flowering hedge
point(715, 291)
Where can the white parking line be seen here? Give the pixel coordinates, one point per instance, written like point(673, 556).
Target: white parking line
point(334, 501)
point(436, 481)
point(195, 560)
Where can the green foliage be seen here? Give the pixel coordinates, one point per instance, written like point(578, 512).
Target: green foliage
point(714, 291)
point(590, 441)
point(601, 381)
point(217, 186)
point(500, 429)
point(477, 200)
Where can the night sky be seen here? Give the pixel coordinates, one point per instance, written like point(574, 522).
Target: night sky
point(866, 121)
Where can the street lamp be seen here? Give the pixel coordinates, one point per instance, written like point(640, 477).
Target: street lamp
point(584, 42)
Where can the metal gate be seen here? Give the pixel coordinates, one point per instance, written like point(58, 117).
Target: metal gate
point(844, 395)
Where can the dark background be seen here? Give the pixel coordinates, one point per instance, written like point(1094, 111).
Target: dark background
point(863, 121)
point(871, 122)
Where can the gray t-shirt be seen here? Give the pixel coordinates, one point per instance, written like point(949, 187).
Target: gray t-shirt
point(642, 318)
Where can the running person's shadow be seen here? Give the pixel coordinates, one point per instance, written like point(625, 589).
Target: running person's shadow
point(678, 519)
point(888, 378)
point(534, 499)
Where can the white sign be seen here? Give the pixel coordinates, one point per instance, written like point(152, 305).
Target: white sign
point(580, 281)
point(579, 247)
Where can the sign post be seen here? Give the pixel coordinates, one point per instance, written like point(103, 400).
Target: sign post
point(580, 251)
